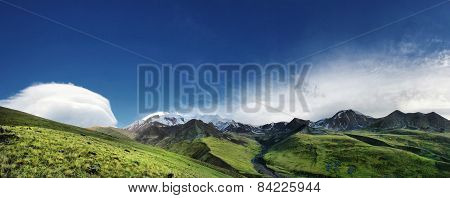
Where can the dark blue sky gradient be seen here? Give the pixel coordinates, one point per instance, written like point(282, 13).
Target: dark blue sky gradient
point(35, 50)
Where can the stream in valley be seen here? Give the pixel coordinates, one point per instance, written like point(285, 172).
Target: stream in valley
point(260, 164)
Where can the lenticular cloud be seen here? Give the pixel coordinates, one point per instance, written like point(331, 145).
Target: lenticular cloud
point(65, 103)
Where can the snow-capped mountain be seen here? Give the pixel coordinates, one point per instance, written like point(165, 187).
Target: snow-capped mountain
point(238, 127)
point(163, 119)
point(158, 119)
point(342, 121)
point(219, 122)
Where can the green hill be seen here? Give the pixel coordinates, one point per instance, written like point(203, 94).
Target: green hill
point(35, 147)
point(239, 156)
point(339, 155)
point(234, 154)
point(431, 145)
point(204, 142)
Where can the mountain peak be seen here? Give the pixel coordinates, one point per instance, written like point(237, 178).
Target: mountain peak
point(349, 112)
point(428, 122)
point(194, 121)
point(345, 120)
point(160, 113)
point(297, 121)
point(297, 124)
point(346, 111)
point(433, 114)
point(397, 112)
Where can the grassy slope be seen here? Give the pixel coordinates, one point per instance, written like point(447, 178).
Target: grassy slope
point(236, 155)
point(342, 156)
point(115, 132)
point(50, 149)
point(432, 145)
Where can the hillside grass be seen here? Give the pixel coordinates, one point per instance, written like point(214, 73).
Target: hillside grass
point(337, 155)
point(115, 132)
point(234, 154)
point(35, 147)
point(238, 156)
point(431, 145)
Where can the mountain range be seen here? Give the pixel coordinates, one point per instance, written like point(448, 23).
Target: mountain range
point(426, 122)
point(345, 120)
point(162, 119)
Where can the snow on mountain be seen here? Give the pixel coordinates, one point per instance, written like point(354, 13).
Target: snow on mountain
point(219, 122)
point(157, 119)
point(173, 118)
point(166, 118)
point(341, 121)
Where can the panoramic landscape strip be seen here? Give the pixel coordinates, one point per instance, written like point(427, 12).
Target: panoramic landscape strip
point(167, 145)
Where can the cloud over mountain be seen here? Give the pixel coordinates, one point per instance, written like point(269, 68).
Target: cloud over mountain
point(65, 103)
point(379, 84)
point(372, 83)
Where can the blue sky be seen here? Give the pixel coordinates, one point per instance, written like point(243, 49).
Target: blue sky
point(35, 50)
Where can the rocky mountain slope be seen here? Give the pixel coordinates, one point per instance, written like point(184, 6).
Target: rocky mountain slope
point(427, 122)
point(346, 120)
point(165, 136)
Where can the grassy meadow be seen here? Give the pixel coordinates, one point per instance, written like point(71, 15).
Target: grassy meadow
point(43, 148)
point(338, 155)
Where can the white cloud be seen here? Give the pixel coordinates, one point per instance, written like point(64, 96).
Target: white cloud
point(378, 85)
point(374, 84)
point(65, 103)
